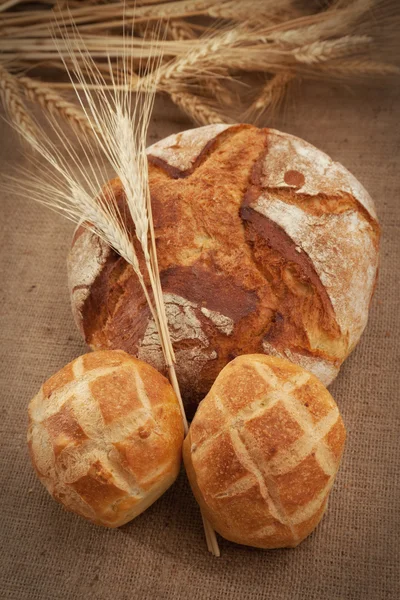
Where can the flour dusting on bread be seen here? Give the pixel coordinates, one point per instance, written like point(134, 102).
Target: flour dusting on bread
point(180, 150)
point(86, 259)
point(316, 172)
point(184, 326)
point(223, 323)
point(292, 276)
point(325, 371)
point(342, 252)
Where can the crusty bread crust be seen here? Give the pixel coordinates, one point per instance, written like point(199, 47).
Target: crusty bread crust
point(105, 436)
point(265, 245)
point(263, 450)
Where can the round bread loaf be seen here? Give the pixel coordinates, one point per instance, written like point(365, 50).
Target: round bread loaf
point(263, 450)
point(105, 436)
point(264, 244)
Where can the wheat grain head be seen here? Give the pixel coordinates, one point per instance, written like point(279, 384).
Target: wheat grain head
point(56, 104)
point(15, 107)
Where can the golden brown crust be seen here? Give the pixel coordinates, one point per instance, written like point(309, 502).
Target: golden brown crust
point(105, 436)
point(256, 237)
point(263, 450)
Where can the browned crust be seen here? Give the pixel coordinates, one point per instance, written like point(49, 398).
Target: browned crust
point(264, 485)
point(278, 240)
point(111, 447)
point(210, 289)
point(320, 204)
point(208, 149)
point(248, 269)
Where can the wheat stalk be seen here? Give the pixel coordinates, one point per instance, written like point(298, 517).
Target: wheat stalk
point(15, 107)
point(72, 187)
point(123, 125)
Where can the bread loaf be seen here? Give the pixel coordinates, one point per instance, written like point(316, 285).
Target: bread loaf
point(263, 450)
point(265, 245)
point(105, 436)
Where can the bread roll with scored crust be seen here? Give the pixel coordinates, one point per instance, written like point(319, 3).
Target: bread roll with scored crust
point(105, 436)
point(263, 450)
point(265, 245)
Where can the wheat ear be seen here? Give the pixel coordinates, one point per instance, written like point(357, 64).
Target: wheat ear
point(324, 50)
point(57, 105)
point(198, 109)
point(14, 105)
point(219, 91)
point(180, 30)
point(254, 11)
point(196, 61)
point(270, 97)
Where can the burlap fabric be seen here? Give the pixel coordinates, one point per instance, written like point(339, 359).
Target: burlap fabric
point(46, 553)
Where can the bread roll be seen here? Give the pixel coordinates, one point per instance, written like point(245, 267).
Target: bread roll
point(265, 245)
point(105, 436)
point(263, 450)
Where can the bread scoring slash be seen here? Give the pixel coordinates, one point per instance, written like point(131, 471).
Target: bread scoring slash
point(265, 245)
point(105, 436)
